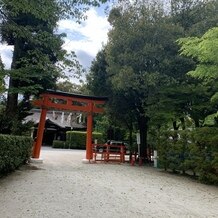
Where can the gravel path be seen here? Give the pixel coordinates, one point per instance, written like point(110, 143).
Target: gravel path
point(65, 187)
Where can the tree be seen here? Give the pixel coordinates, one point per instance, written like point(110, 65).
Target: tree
point(140, 53)
point(205, 51)
point(188, 97)
point(99, 84)
point(97, 79)
point(67, 86)
point(38, 59)
point(146, 74)
point(195, 16)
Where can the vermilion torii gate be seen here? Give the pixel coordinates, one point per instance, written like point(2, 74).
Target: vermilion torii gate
point(71, 102)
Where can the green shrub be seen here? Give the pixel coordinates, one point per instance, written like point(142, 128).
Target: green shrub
point(195, 151)
point(77, 139)
point(14, 151)
point(207, 140)
point(59, 144)
point(98, 136)
point(163, 150)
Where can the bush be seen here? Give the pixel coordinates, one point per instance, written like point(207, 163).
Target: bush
point(77, 139)
point(59, 144)
point(207, 140)
point(194, 151)
point(14, 151)
point(98, 136)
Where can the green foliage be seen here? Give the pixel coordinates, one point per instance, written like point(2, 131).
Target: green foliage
point(205, 50)
point(97, 79)
point(194, 151)
point(77, 139)
point(98, 136)
point(14, 151)
point(163, 148)
point(144, 73)
point(2, 75)
point(58, 144)
point(38, 58)
point(67, 86)
point(142, 60)
point(195, 16)
point(14, 124)
point(102, 124)
point(36, 49)
point(110, 128)
point(189, 101)
point(51, 10)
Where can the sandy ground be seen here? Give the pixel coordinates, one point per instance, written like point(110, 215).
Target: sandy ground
point(63, 186)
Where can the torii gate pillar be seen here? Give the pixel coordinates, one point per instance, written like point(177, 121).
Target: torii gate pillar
point(89, 154)
point(40, 132)
point(38, 143)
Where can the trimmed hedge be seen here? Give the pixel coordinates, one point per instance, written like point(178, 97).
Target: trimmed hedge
point(193, 151)
point(77, 139)
point(14, 151)
point(59, 144)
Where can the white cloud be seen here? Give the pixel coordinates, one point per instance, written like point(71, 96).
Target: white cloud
point(6, 54)
point(85, 39)
point(88, 36)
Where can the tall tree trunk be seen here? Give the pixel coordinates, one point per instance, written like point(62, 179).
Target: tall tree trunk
point(143, 129)
point(130, 126)
point(12, 98)
point(130, 136)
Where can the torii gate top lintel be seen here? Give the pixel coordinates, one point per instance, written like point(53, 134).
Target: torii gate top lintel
point(67, 101)
point(74, 95)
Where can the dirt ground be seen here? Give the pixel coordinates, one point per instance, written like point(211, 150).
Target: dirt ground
point(63, 186)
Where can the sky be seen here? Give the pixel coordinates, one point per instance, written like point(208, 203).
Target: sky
point(85, 39)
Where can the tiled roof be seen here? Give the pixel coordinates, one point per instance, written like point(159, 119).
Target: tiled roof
point(62, 119)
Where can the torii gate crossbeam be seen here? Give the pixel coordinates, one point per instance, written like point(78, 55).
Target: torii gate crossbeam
point(71, 102)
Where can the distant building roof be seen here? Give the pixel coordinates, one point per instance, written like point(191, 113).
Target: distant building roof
point(57, 92)
point(62, 119)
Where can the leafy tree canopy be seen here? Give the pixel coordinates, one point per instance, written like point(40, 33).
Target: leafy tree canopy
point(67, 86)
point(50, 9)
point(38, 57)
point(195, 16)
point(205, 51)
point(142, 65)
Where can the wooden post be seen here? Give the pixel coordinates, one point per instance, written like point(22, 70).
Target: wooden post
point(89, 154)
point(107, 152)
point(122, 153)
